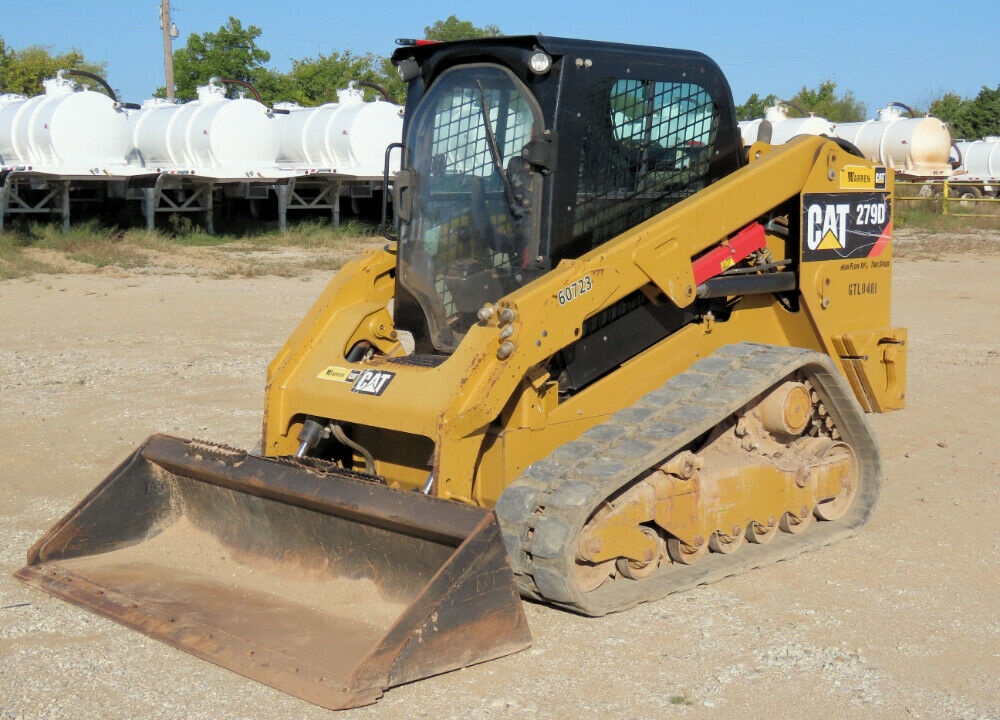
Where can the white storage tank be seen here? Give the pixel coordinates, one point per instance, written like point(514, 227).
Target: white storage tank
point(68, 130)
point(980, 158)
point(9, 104)
point(348, 137)
point(212, 136)
point(914, 147)
point(784, 128)
point(749, 130)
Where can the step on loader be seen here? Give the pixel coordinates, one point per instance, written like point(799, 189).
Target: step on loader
point(607, 354)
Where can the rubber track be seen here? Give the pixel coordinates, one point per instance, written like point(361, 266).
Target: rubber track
point(542, 513)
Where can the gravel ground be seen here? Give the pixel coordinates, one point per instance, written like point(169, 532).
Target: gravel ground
point(901, 621)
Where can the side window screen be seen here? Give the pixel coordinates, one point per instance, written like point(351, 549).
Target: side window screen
point(648, 148)
point(459, 143)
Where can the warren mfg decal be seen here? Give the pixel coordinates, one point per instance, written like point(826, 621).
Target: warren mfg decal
point(862, 177)
point(836, 226)
point(339, 374)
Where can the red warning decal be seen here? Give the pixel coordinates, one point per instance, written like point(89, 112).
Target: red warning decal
point(718, 259)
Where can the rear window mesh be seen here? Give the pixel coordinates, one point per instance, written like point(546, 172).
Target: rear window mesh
point(649, 148)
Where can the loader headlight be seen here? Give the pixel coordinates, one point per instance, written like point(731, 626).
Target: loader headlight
point(539, 62)
point(407, 69)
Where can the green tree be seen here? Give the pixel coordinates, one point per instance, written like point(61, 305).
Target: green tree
point(454, 29)
point(22, 71)
point(984, 113)
point(970, 119)
point(274, 86)
point(755, 106)
point(395, 86)
point(952, 108)
point(315, 81)
point(825, 102)
point(231, 52)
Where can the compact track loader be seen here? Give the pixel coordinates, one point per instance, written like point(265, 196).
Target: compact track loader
point(609, 354)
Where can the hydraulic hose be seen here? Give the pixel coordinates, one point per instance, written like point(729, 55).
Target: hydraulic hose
point(375, 86)
point(103, 83)
point(906, 107)
point(244, 83)
point(269, 111)
point(798, 109)
point(339, 434)
point(96, 78)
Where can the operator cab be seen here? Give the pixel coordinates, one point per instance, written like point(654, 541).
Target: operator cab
point(519, 152)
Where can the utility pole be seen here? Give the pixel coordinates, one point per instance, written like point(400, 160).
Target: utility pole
point(169, 31)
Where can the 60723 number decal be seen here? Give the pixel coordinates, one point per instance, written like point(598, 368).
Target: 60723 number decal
point(576, 289)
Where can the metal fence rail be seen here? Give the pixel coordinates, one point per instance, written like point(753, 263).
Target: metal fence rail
point(961, 198)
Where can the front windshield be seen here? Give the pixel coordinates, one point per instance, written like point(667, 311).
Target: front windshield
point(472, 230)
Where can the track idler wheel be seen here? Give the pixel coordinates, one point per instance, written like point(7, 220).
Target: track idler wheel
point(787, 409)
point(796, 523)
point(760, 533)
point(685, 554)
point(727, 543)
point(590, 576)
point(638, 570)
point(835, 507)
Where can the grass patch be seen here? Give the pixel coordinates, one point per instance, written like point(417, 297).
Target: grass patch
point(308, 234)
point(15, 263)
point(39, 248)
point(313, 234)
point(87, 243)
point(926, 214)
point(99, 248)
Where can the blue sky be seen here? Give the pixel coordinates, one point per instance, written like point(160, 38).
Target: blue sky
point(911, 51)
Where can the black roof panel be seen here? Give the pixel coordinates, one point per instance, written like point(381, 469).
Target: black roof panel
point(552, 45)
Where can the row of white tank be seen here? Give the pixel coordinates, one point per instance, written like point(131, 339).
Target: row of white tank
point(73, 131)
point(980, 159)
point(915, 147)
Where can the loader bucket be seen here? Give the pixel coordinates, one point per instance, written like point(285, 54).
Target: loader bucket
point(316, 582)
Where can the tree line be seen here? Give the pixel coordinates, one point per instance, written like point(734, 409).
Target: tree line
point(970, 119)
point(232, 51)
point(824, 101)
point(22, 71)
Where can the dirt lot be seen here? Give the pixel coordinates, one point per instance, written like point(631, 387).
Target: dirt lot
point(902, 621)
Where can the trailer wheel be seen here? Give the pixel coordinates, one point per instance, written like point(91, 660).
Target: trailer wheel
point(967, 195)
point(966, 192)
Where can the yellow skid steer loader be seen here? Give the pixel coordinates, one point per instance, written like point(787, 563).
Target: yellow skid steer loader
point(607, 354)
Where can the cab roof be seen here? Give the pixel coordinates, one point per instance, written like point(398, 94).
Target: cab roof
point(480, 48)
